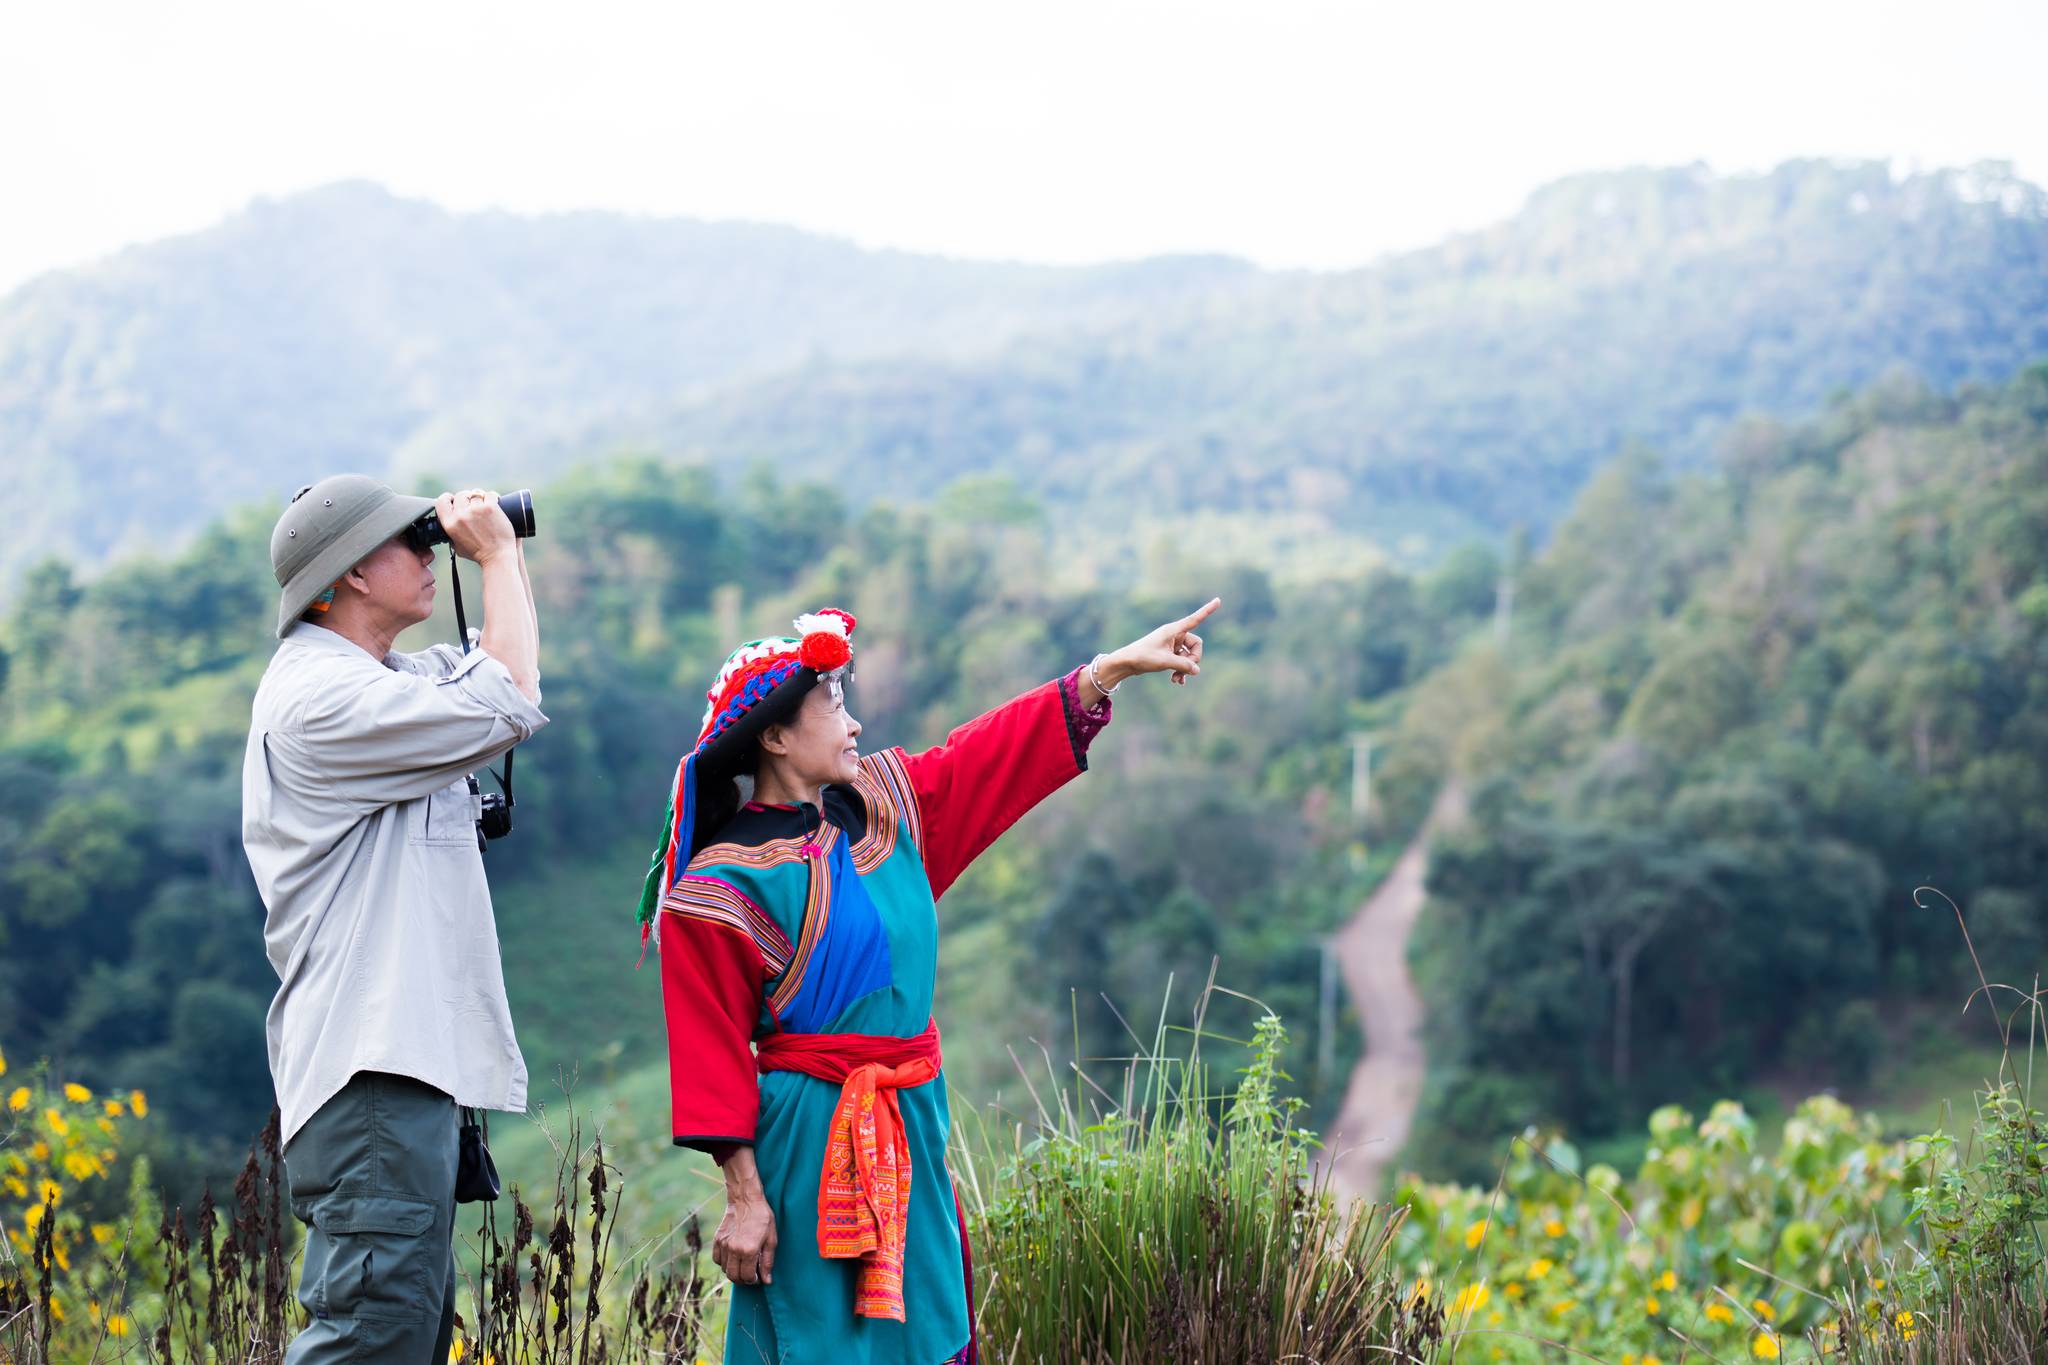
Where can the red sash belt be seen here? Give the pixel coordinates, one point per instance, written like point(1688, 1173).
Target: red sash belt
point(864, 1187)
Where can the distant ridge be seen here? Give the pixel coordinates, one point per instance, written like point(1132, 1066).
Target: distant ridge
point(347, 328)
point(1456, 390)
point(1461, 389)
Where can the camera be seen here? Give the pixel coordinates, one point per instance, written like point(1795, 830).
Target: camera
point(495, 822)
point(426, 533)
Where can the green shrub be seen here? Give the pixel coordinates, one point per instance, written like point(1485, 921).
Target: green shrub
point(1177, 1224)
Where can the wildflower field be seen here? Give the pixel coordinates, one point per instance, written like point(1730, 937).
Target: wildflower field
point(1164, 1219)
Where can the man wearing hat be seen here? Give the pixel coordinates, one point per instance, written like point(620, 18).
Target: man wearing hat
point(360, 826)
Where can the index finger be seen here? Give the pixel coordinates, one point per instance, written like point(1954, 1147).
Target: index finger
point(1200, 614)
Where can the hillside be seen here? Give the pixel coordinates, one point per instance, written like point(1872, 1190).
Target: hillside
point(345, 328)
point(1740, 718)
point(1313, 420)
point(1463, 389)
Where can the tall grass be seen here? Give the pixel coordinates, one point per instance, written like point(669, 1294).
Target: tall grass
point(216, 1285)
point(1968, 1284)
point(1169, 1221)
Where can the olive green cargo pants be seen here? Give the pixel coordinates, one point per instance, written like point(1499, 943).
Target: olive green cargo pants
point(372, 1175)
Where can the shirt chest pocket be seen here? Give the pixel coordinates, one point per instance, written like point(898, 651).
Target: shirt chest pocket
point(447, 816)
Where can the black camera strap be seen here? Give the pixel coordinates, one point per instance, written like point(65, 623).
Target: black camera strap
point(462, 633)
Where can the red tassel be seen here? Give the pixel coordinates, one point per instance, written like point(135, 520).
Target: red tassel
point(646, 933)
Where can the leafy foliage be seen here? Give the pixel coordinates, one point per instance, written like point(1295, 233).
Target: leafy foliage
point(132, 930)
point(1744, 714)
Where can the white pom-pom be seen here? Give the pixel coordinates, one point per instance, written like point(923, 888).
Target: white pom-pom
point(815, 623)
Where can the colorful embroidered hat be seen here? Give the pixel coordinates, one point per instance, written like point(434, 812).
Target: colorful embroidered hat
point(761, 684)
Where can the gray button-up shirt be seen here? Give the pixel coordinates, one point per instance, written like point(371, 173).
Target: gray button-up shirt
point(361, 830)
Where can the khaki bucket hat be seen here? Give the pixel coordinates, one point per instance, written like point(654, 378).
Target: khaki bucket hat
point(328, 529)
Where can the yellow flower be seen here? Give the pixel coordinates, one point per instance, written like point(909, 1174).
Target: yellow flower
point(1689, 1213)
point(77, 1093)
point(49, 1192)
point(115, 1109)
point(138, 1102)
point(3, 1061)
point(39, 1152)
point(1764, 1346)
point(1420, 1293)
point(106, 1126)
point(16, 1186)
point(1552, 1228)
point(455, 1350)
point(1540, 1267)
point(56, 1122)
point(81, 1167)
point(1513, 1289)
point(1475, 1234)
point(1651, 1306)
point(18, 1101)
point(57, 1308)
point(34, 1217)
point(1668, 1281)
point(1653, 1360)
point(1764, 1310)
point(1720, 1312)
point(1470, 1299)
point(63, 1255)
point(117, 1326)
point(1563, 1306)
point(1877, 1284)
point(1904, 1322)
point(102, 1232)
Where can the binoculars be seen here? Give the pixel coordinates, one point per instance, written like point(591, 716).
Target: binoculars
point(427, 533)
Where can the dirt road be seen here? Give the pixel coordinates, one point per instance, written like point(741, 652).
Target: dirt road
point(1372, 952)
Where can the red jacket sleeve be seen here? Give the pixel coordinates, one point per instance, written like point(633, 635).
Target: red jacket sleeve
point(712, 976)
point(992, 770)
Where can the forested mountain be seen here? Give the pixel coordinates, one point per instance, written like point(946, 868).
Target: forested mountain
point(348, 329)
point(1739, 719)
point(130, 931)
point(1733, 718)
point(1466, 388)
point(1447, 392)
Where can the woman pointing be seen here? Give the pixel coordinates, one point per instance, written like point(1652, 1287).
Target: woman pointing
point(799, 949)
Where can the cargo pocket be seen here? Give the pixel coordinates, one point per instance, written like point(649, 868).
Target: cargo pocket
point(369, 1258)
point(447, 816)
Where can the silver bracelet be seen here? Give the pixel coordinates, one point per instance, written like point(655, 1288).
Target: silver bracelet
point(1096, 678)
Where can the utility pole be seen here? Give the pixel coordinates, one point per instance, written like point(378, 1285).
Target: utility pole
point(1361, 777)
point(1326, 1020)
point(1504, 587)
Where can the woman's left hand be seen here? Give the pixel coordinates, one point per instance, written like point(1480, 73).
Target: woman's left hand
point(1173, 648)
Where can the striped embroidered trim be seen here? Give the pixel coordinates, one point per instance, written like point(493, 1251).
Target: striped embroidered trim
point(884, 775)
point(717, 902)
point(773, 853)
point(878, 841)
point(817, 910)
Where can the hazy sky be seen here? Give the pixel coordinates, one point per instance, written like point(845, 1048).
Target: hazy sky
point(1293, 133)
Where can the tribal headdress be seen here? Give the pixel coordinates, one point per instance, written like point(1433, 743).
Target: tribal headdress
point(761, 684)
